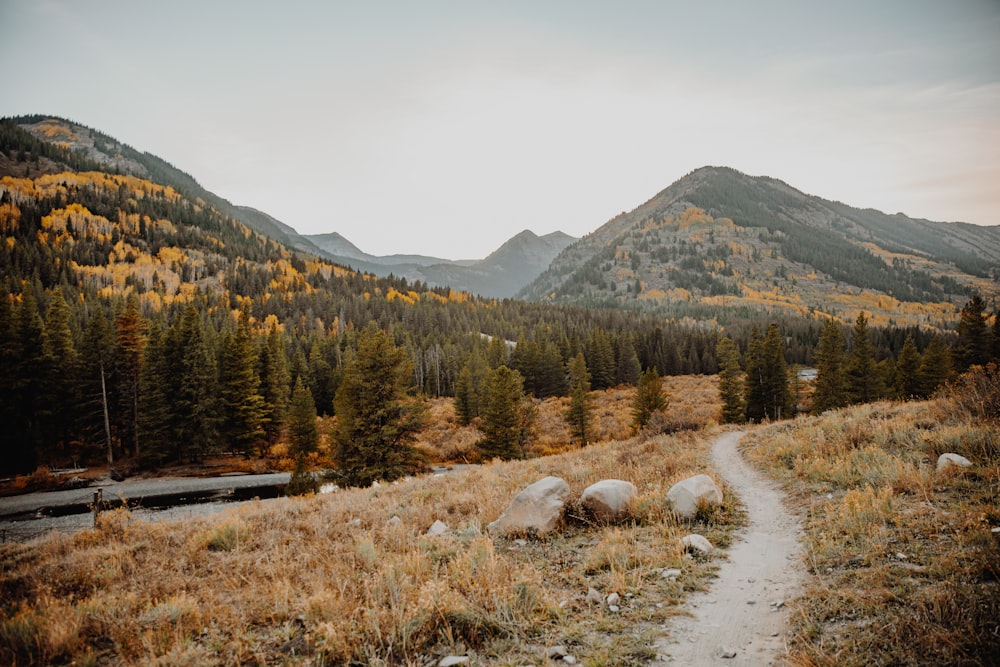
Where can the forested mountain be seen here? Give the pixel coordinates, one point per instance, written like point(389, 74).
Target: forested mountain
point(719, 244)
point(130, 295)
point(502, 274)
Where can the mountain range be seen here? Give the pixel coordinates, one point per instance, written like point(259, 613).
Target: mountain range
point(715, 246)
point(719, 242)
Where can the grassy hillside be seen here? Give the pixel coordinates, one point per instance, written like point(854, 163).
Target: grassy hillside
point(906, 560)
point(336, 578)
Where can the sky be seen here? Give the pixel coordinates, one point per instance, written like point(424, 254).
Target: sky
point(445, 127)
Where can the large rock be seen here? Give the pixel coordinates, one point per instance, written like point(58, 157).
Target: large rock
point(537, 509)
point(608, 500)
point(697, 544)
point(952, 460)
point(687, 495)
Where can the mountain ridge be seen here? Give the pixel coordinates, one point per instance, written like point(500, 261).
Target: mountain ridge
point(718, 238)
point(479, 276)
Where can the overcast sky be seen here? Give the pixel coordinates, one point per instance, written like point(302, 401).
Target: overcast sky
point(444, 128)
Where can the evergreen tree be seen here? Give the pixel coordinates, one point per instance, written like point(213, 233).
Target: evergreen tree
point(505, 424)
point(628, 367)
point(303, 439)
point(61, 366)
point(11, 445)
point(303, 433)
point(241, 405)
point(550, 375)
point(754, 379)
point(24, 431)
point(908, 371)
point(863, 380)
point(649, 398)
point(130, 340)
point(96, 373)
point(322, 377)
point(831, 378)
point(274, 384)
point(497, 352)
point(579, 414)
point(777, 394)
point(975, 344)
point(469, 388)
point(193, 404)
point(377, 420)
point(601, 360)
point(935, 366)
point(730, 381)
point(154, 412)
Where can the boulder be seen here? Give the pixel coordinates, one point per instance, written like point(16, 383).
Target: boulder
point(438, 528)
point(697, 543)
point(687, 495)
point(537, 509)
point(608, 500)
point(950, 459)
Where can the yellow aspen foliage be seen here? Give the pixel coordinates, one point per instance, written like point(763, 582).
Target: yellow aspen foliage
point(271, 323)
point(10, 217)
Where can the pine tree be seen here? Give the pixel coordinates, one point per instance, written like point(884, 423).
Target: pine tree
point(975, 344)
point(469, 388)
point(24, 432)
point(303, 433)
point(863, 380)
point(504, 422)
point(550, 378)
point(11, 444)
point(754, 380)
point(61, 366)
point(193, 404)
point(96, 376)
point(649, 398)
point(777, 392)
point(908, 371)
point(497, 352)
point(935, 366)
point(274, 384)
point(579, 414)
point(303, 439)
point(377, 420)
point(601, 360)
point(831, 379)
point(241, 405)
point(628, 367)
point(130, 340)
point(154, 412)
point(730, 381)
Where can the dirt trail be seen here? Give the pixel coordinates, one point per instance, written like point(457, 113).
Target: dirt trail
point(744, 610)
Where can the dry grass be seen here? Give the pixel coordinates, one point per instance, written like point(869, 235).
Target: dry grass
point(693, 404)
point(337, 579)
point(906, 565)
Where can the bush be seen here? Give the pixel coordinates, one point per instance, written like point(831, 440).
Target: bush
point(976, 392)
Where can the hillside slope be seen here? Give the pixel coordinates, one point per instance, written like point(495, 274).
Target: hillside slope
point(718, 243)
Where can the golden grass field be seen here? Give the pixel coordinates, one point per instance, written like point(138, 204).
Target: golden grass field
point(905, 566)
point(905, 560)
point(334, 578)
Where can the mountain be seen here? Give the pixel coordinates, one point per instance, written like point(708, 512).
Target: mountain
point(489, 277)
point(719, 244)
point(501, 274)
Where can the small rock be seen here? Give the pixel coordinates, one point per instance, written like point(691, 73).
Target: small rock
point(569, 659)
point(777, 604)
point(670, 574)
point(614, 598)
point(950, 459)
point(356, 523)
point(593, 596)
point(438, 528)
point(900, 556)
point(393, 521)
point(697, 543)
point(727, 652)
point(453, 660)
point(613, 607)
point(521, 542)
point(557, 652)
